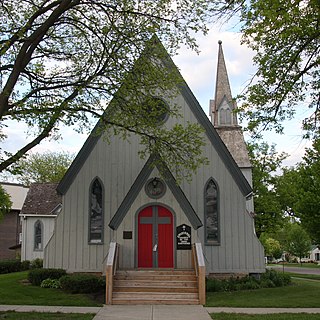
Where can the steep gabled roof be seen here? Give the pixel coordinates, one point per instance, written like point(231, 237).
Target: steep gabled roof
point(138, 185)
point(201, 117)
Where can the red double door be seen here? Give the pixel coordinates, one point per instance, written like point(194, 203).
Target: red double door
point(155, 238)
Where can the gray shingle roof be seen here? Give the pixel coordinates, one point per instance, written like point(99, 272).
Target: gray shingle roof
point(42, 198)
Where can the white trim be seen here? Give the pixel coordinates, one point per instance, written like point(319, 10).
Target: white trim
point(38, 215)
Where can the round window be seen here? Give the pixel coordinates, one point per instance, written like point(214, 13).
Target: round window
point(155, 188)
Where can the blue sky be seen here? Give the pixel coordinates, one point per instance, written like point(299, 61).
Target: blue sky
point(199, 71)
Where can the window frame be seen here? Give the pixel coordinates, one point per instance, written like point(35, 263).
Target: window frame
point(218, 241)
point(90, 240)
point(36, 247)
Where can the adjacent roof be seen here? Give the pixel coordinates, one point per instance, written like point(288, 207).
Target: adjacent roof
point(17, 192)
point(195, 107)
point(42, 198)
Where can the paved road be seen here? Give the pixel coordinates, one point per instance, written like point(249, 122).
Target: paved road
point(297, 269)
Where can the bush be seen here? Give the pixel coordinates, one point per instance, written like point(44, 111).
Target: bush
point(82, 283)
point(269, 279)
point(25, 265)
point(36, 264)
point(51, 283)
point(36, 276)
point(8, 266)
point(279, 279)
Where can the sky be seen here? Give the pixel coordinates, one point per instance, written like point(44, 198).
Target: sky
point(199, 71)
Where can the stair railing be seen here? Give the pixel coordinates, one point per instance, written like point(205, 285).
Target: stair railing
point(200, 269)
point(111, 268)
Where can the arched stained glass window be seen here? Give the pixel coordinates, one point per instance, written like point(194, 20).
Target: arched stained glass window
point(38, 235)
point(96, 212)
point(212, 232)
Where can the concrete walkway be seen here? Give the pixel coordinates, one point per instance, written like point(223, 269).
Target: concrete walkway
point(154, 312)
point(262, 310)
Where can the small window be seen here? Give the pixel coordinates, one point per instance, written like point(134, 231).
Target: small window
point(157, 109)
point(38, 235)
point(96, 212)
point(212, 232)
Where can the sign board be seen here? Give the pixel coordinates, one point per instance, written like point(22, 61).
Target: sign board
point(183, 237)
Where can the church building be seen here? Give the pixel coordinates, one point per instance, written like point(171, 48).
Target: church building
point(110, 195)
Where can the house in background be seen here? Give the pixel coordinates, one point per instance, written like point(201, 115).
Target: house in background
point(315, 254)
point(40, 208)
point(10, 228)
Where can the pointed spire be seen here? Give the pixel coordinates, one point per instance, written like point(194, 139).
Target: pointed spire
point(222, 80)
point(222, 91)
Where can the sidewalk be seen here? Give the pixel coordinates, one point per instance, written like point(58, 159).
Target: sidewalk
point(153, 312)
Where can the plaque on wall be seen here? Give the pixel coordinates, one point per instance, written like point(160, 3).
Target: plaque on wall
point(183, 237)
point(127, 234)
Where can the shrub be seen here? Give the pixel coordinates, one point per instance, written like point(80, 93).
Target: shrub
point(269, 279)
point(8, 266)
point(51, 283)
point(25, 265)
point(279, 279)
point(36, 276)
point(36, 263)
point(82, 283)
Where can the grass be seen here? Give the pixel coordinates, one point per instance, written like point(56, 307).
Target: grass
point(44, 316)
point(276, 316)
point(15, 291)
point(304, 276)
point(301, 294)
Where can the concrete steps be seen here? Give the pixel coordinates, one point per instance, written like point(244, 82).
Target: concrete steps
point(155, 287)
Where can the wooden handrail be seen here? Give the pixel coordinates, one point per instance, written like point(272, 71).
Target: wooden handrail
point(200, 268)
point(111, 268)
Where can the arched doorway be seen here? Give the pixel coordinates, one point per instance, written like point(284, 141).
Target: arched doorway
point(155, 238)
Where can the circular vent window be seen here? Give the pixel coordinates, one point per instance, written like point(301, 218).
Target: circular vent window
point(155, 188)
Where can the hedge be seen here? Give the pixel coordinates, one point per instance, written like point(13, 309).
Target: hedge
point(269, 279)
point(9, 266)
point(36, 276)
point(82, 283)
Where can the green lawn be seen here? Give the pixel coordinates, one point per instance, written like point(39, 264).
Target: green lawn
point(302, 293)
point(14, 291)
point(44, 316)
point(277, 316)
point(304, 276)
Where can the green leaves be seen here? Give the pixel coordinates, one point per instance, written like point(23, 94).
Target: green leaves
point(5, 202)
point(43, 167)
point(286, 39)
point(63, 61)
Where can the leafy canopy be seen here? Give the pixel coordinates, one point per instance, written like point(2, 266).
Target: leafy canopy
point(265, 161)
point(285, 36)
point(299, 189)
point(43, 167)
point(5, 202)
point(63, 60)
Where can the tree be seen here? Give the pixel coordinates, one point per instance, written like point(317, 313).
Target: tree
point(285, 36)
point(5, 202)
point(265, 161)
point(298, 241)
point(43, 167)
point(299, 190)
point(63, 60)
point(272, 247)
